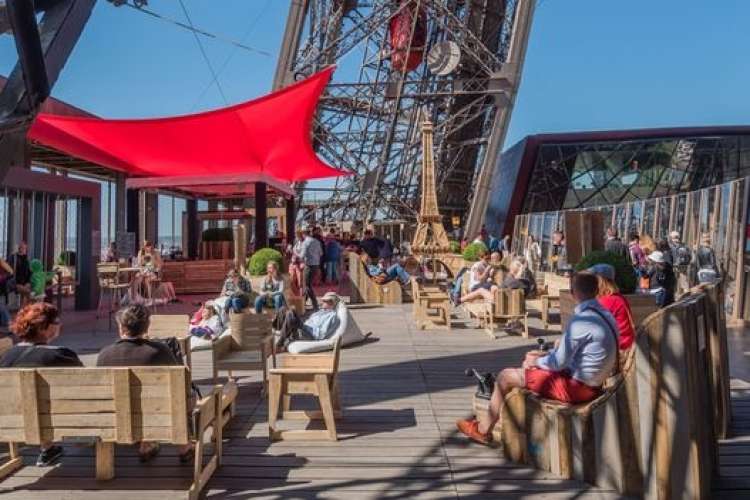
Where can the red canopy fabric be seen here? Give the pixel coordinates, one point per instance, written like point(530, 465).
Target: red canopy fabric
point(266, 138)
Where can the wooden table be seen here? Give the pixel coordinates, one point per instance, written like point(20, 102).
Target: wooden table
point(438, 301)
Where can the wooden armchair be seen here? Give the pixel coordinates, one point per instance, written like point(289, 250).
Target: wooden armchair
point(164, 326)
point(247, 348)
point(305, 374)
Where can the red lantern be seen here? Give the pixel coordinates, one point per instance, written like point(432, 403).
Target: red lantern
point(407, 51)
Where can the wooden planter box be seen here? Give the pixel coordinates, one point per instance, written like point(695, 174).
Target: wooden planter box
point(641, 305)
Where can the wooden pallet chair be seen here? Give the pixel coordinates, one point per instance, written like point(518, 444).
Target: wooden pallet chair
point(111, 288)
point(110, 406)
point(305, 374)
point(573, 441)
point(508, 307)
point(550, 296)
point(431, 306)
point(5, 345)
point(248, 347)
point(651, 433)
point(164, 326)
point(367, 290)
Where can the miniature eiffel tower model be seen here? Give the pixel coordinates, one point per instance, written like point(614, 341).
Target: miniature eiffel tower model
point(430, 238)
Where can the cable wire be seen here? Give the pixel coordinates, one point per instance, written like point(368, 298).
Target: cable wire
point(198, 30)
point(203, 51)
point(226, 62)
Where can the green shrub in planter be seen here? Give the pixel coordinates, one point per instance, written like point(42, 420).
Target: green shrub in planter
point(455, 246)
point(624, 273)
point(256, 264)
point(473, 251)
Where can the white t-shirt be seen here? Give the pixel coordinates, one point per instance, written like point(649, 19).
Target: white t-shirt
point(479, 267)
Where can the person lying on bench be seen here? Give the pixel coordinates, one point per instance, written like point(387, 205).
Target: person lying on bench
point(382, 275)
point(133, 349)
point(319, 326)
point(573, 372)
point(480, 280)
point(35, 326)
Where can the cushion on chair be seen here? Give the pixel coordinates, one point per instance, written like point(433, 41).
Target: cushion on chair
point(347, 328)
point(201, 344)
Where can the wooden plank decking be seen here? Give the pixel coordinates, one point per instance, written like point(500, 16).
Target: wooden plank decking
point(401, 394)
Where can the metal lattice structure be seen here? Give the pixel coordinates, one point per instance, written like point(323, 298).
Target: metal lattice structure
point(369, 120)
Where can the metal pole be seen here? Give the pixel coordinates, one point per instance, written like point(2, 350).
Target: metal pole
point(516, 57)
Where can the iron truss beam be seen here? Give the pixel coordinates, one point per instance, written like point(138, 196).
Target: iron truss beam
point(369, 119)
point(43, 48)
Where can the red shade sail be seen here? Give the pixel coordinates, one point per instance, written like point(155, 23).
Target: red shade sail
point(266, 139)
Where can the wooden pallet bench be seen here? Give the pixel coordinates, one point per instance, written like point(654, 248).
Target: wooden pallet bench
point(367, 290)
point(112, 406)
point(653, 431)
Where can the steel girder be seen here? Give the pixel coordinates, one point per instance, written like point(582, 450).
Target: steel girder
point(369, 119)
point(43, 49)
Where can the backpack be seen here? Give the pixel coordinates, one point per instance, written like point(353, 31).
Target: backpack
point(682, 256)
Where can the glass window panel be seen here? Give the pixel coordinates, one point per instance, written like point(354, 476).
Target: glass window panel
point(620, 220)
point(665, 211)
point(649, 218)
point(678, 223)
point(635, 209)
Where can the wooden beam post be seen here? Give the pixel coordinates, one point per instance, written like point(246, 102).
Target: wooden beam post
point(261, 216)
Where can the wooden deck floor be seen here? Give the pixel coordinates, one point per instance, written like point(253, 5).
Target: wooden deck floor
point(734, 452)
point(401, 394)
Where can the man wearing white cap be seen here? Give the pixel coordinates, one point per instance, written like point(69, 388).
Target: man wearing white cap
point(319, 326)
point(662, 281)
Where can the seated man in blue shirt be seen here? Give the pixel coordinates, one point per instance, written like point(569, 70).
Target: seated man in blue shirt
point(321, 324)
point(573, 372)
point(381, 274)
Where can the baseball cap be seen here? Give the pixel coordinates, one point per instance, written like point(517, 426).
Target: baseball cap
point(603, 270)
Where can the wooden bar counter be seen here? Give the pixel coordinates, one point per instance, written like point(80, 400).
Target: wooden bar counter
point(197, 276)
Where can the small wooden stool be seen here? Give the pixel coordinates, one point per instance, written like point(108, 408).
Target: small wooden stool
point(299, 374)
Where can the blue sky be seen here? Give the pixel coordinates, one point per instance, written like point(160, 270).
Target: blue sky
point(591, 64)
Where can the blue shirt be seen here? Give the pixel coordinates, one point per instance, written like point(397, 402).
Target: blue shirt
point(321, 324)
point(588, 347)
point(312, 251)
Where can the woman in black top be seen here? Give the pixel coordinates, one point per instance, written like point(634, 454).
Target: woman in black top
point(134, 349)
point(19, 261)
point(35, 326)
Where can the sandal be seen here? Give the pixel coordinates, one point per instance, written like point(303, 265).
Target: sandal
point(149, 455)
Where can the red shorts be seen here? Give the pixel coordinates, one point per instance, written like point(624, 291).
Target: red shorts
point(559, 386)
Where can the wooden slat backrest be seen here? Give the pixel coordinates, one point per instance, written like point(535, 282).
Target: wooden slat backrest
point(248, 329)
point(122, 405)
point(5, 345)
point(107, 273)
point(556, 283)
point(510, 302)
point(168, 325)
